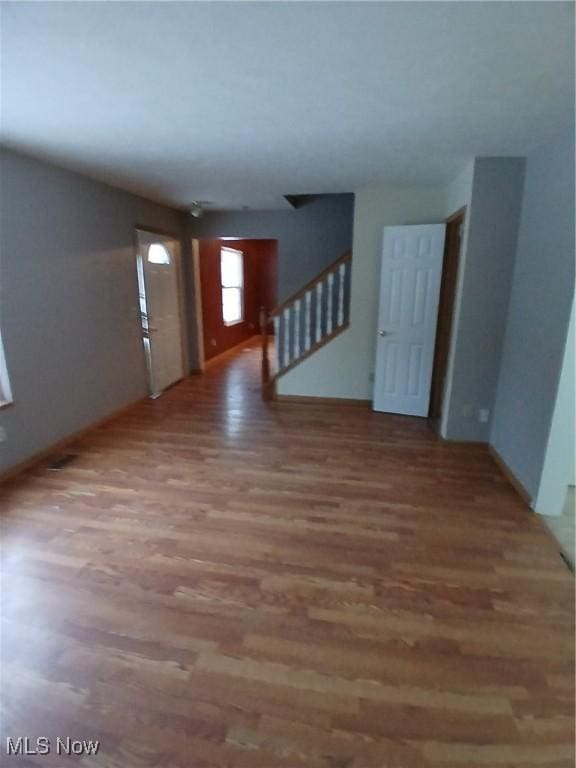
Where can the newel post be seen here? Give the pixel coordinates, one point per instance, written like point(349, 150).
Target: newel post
point(265, 362)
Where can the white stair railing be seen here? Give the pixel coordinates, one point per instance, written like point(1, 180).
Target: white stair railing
point(306, 320)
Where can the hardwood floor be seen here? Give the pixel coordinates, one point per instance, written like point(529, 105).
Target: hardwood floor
point(217, 581)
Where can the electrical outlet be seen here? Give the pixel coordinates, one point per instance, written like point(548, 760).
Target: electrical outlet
point(467, 410)
point(3, 435)
point(483, 415)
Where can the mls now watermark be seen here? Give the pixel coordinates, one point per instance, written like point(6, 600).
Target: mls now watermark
point(42, 745)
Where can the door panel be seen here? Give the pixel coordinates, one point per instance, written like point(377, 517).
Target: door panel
point(409, 291)
point(160, 308)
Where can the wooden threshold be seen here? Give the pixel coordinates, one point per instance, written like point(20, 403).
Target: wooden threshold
point(312, 400)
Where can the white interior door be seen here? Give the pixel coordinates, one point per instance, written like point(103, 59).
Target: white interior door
point(158, 265)
point(409, 292)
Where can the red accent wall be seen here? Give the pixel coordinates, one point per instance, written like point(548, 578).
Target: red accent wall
point(260, 286)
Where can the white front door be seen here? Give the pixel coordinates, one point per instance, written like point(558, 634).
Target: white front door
point(409, 292)
point(158, 265)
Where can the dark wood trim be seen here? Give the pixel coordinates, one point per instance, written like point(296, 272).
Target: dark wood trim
point(314, 348)
point(269, 390)
point(323, 400)
point(510, 476)
point(38, 457)
point(196, 289)
point(311, 284)
point(461, 212)
point(445, 319)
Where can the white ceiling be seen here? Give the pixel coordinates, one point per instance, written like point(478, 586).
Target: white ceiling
point(241, 103)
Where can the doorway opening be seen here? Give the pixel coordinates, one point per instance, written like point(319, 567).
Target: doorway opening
point(237, 277)
point(161, 308)
point(450, 265)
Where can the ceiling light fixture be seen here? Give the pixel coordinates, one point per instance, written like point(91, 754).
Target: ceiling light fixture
point(196, 209)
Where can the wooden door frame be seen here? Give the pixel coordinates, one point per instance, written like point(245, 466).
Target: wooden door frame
point(198, 310)
point(445, 321)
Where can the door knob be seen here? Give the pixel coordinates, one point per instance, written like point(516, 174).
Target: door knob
point(383, 333)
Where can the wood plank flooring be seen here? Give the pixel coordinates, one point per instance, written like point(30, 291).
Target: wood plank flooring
point(216, 582)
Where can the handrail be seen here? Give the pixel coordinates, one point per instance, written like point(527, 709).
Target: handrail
point(306, 320)
point(310, 284)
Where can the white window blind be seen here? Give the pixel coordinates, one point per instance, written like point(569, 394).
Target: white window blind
point(232, 282)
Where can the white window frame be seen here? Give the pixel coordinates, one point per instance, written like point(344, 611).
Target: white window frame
point(5, 389)
point(239, 287)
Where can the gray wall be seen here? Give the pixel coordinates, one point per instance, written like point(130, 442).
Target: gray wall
point(68, 301)
point(494, 214)
point(539, 313)
point(309, 238)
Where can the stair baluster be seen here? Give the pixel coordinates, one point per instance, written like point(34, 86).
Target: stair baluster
point(306, 321)
point(318, 312)
point(287, 334)
point(341, 275)
point(329, 308)
point(297, 350)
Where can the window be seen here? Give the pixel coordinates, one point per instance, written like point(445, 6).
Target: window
point(5, 391)
point(158, 254)
point(232, 281)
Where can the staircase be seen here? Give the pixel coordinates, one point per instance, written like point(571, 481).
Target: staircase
point(305, 322)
